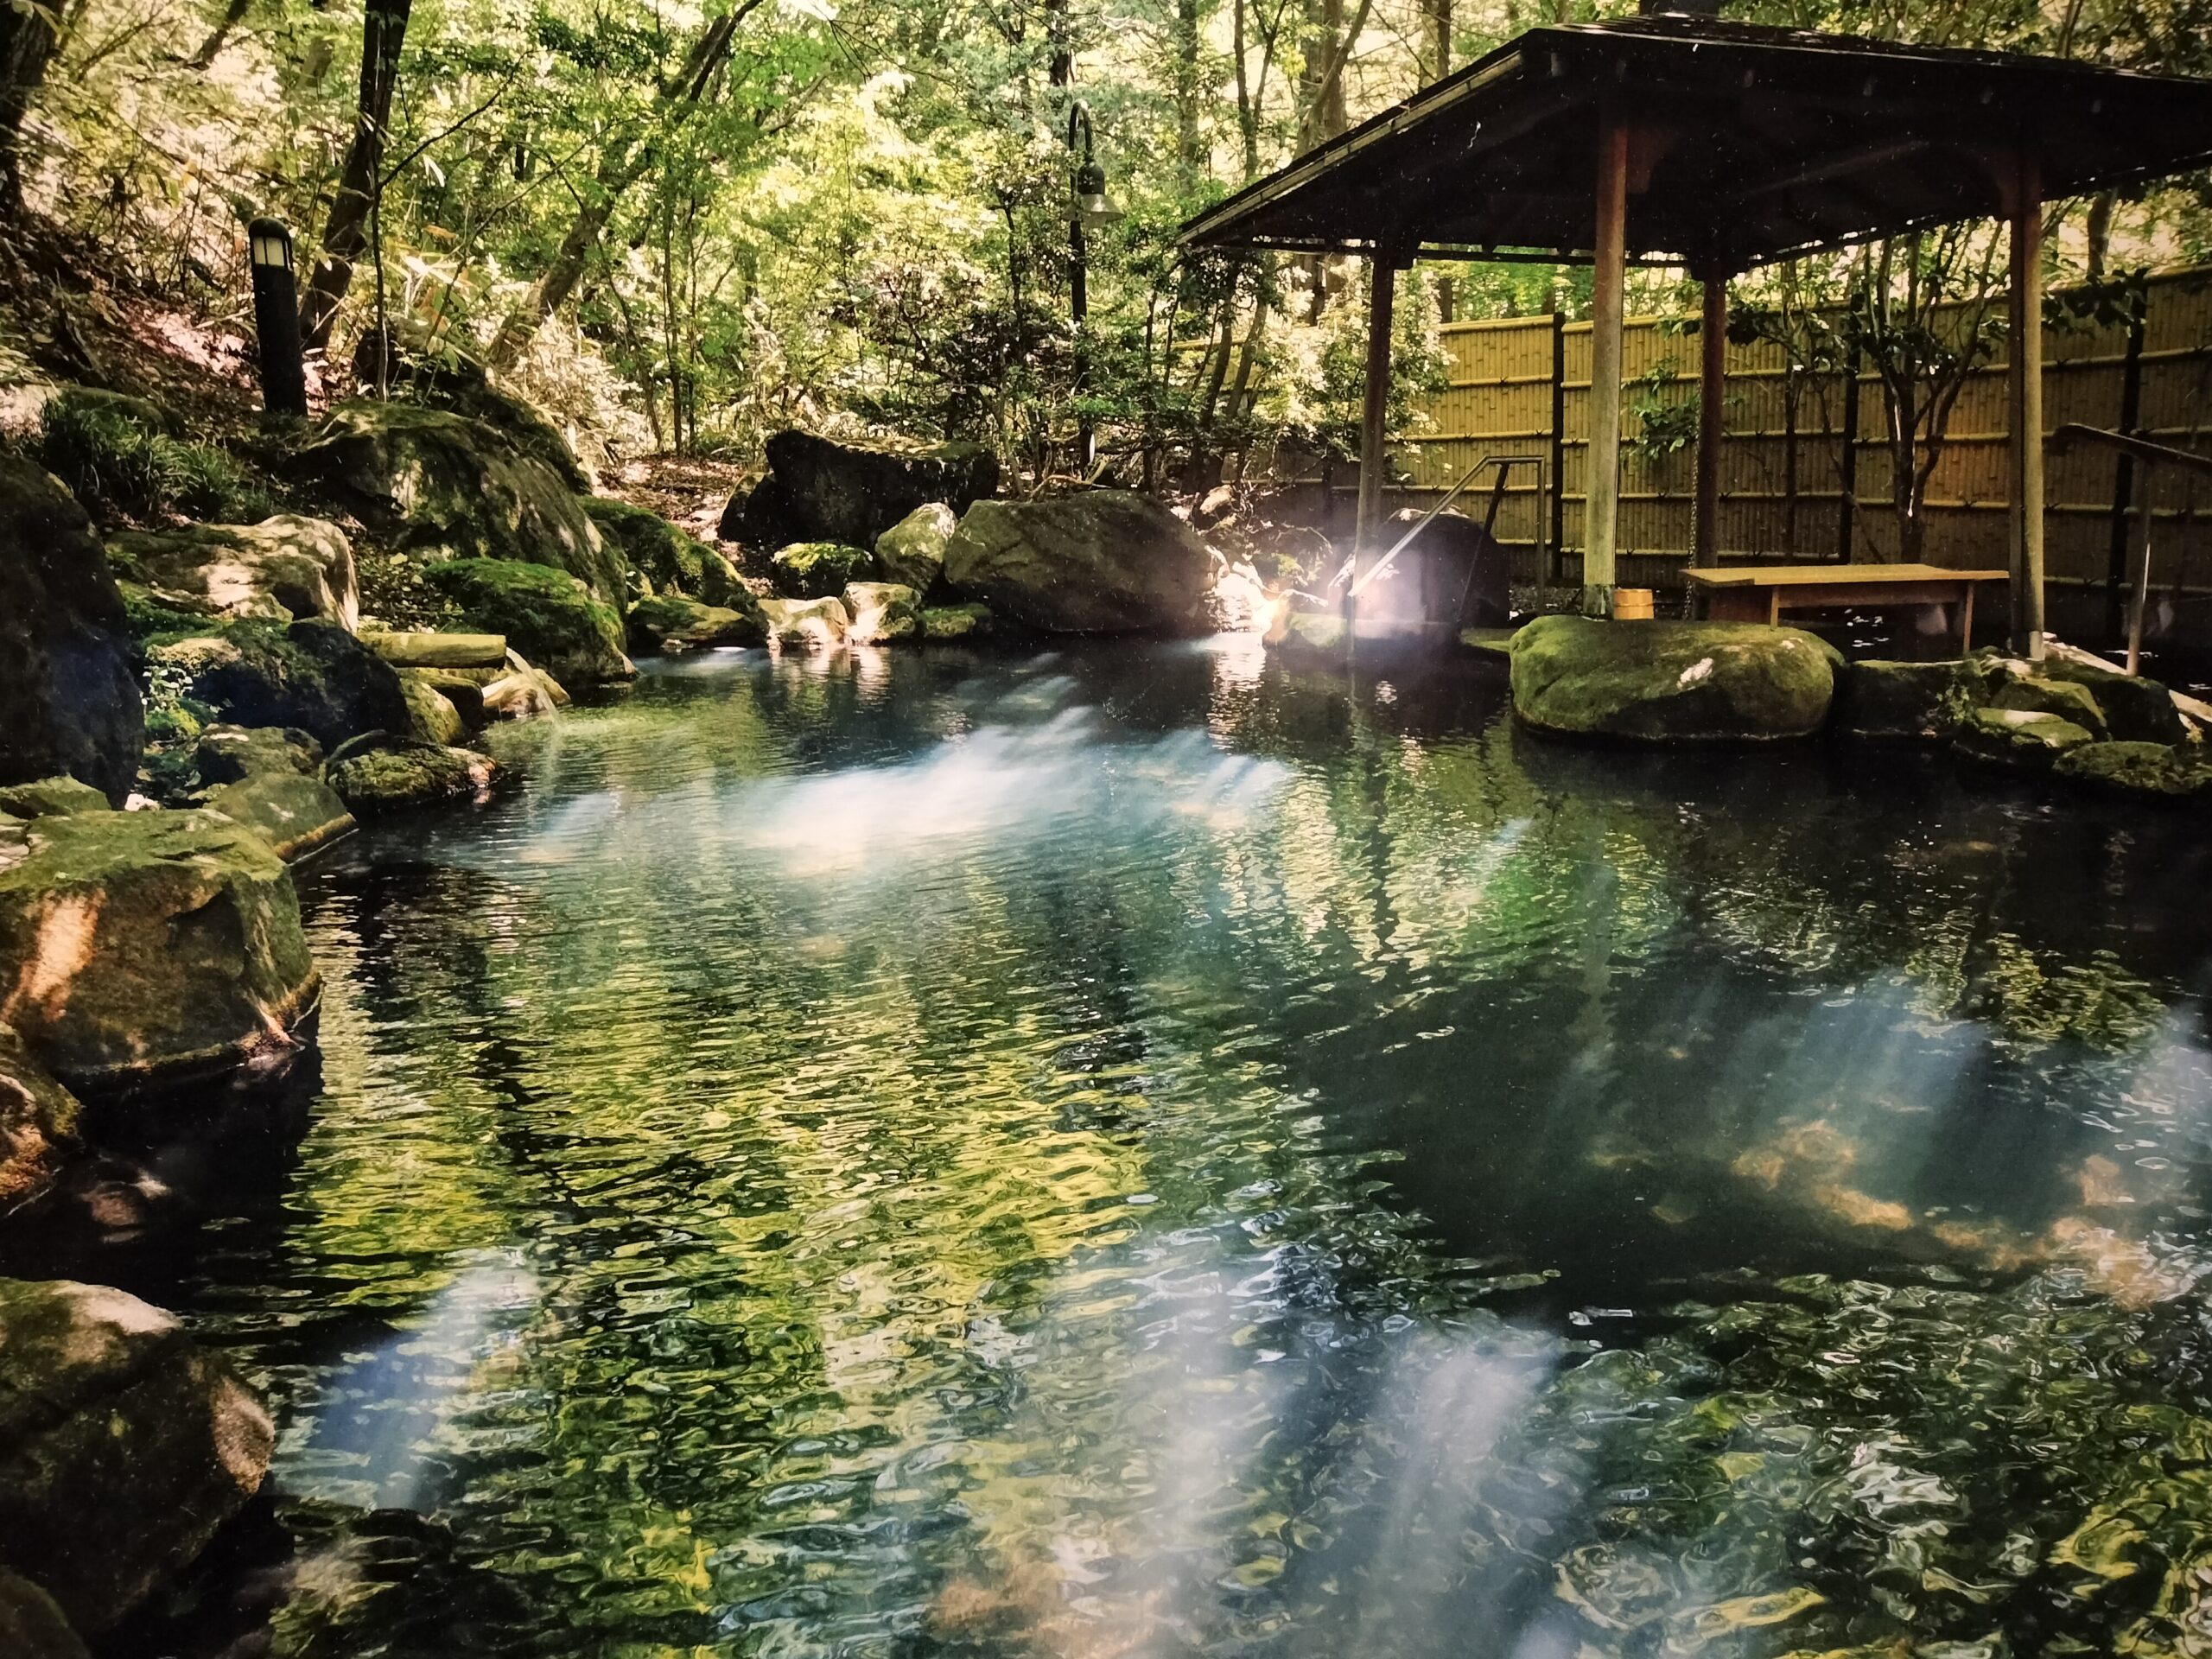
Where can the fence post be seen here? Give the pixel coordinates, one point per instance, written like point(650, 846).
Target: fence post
point(1846, 507)
point(1558, 440)
point(2123, 476)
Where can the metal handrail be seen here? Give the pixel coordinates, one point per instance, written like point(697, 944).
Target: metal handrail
point(1503, 463)
point(2149, 456)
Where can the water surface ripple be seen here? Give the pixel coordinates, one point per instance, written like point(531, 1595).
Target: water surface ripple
point(1134, 1152)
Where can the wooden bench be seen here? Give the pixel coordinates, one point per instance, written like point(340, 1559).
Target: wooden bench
point(1761, 593)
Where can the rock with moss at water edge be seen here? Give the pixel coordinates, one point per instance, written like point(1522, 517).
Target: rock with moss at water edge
point(312, 675)
point(819, 569)
point(153, 950)
point(912, 552)
point(671, 558)
point(673, 622)
point(227, 753)
point(812, 624)
point(2138, 771)
point(882, 611)
point(394, 777)
point(123, 1446)
point(958, 622)
point(50, 797)
point(296, 815)
point(2020, 739)
point(1671, 682)
point(551, 617)
point(2070, 700)
point(1876, 698)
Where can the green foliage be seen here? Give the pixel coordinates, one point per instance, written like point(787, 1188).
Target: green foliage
point(175, 720)
point(1666, 412)
point(820, 569)
point(117, 462)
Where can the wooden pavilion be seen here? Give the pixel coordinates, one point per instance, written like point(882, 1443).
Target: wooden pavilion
point(1722, 146)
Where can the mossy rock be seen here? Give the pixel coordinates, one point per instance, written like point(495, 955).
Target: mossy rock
point(958, 622)
point(123, 1446)
point(669, 558)
point(2070, 700)
point(32, 1626)
point(912, 552)
point(822, 489)
point(283, 568)
point(813, 624)
point(38, 1125)
point(431, 716)
point(1101, 562)
point(460, 692)
point(167, 946)
point(819, 569)
point(401, 776)
point(1913, 700)
point(2142, 770)
point(430, 479)
point(882, 611)
point(228, 753)
point(311, 675)
point(674, 622)
point(1312, 636)
point(436, 374)
point(2020, 739)
point(69, 696)
point(296, 815)
point(1671, 682)
point(2136, 710)
point(50, 797)
point(432, 648)
point(548, 615)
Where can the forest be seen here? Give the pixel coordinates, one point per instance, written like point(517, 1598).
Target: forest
point(679, 229)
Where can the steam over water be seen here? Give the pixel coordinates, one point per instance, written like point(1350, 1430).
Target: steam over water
point(1134, 1151)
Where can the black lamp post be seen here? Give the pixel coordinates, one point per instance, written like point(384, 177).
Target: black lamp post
point(1089, 208)
point(276, 319)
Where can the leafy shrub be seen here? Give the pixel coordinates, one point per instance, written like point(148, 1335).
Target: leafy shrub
point(175, 720)
point(113, 458)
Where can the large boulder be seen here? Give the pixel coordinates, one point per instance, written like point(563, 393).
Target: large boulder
point(670, 558)
point(32, 1626)
point(312, 675)
point(122, 1446)
point(1453, 572)
point(1919, 700)
point(432, 716)
point(2068, 699)
point(880, 612)
point(140, 951)
point(69, 699)
point(2134, 709)
point(1104, 562)
point(668, 622)
point(281, 569)
point(820, 490)
point(812, 624)
point(552, 618)
point(1671, 682)
point(819, 569)
point(2017, 740)
point(437, 373)
point(228, 753)
point(294, 814)
point(38, 1123)
point(48, 798)
point(912, 551)
point(2138, 771)
point(394, 777)
point(426, 477)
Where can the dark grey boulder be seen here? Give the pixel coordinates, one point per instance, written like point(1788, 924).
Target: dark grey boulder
point(1103, 562)
point(69, 699)
point(818, 489)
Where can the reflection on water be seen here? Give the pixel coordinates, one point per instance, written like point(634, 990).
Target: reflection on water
point(1137, 1152)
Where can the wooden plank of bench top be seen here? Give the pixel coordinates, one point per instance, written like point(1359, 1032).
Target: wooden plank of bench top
point(1802, 576)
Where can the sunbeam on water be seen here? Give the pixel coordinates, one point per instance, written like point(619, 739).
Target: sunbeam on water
point(1138, 1152)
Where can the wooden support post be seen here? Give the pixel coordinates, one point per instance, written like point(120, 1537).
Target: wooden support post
point(1556, 571)
point(1602, 492)
point(1712, 387)
point(1382, 285)
point(2023, 205)
point(2140, 600)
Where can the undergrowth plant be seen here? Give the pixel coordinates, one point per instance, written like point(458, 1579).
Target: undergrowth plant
point(115, 463)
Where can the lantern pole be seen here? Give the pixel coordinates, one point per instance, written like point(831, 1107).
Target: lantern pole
point(276, 319)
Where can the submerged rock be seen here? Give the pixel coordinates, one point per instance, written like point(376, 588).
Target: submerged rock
point(2022, 740)
point(674, 622)
point(296, 815)
point(280, 570)
point(666, 555)
point(312, 675)
point(140, 951)
point(813, 623)
point(818, 489)
point(2144, 771)
point(1671, 682)
point(1923, 699)
point(819, 569)
point(912, 552)
point(69, 699)
point(38, 1123)
point(552, 618)
point(1104, 562)
point(402, 775)
point(958, 622)
point(50, 797)
point(426, 477)
point(122, 1446)
point(882, 611)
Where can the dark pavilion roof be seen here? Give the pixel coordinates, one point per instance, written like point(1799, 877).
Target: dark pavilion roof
point(1754, 144)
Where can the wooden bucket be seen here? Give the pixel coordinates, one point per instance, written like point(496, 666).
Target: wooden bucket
point(1631, 604)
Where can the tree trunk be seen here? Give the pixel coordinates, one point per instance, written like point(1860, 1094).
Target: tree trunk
point(1186, 91)
point(1439, 30)
point(212, 47)
point(27, 41)
point(621, 164)
point(383, 30)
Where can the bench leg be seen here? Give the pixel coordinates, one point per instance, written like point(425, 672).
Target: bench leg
point(1965, 622)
